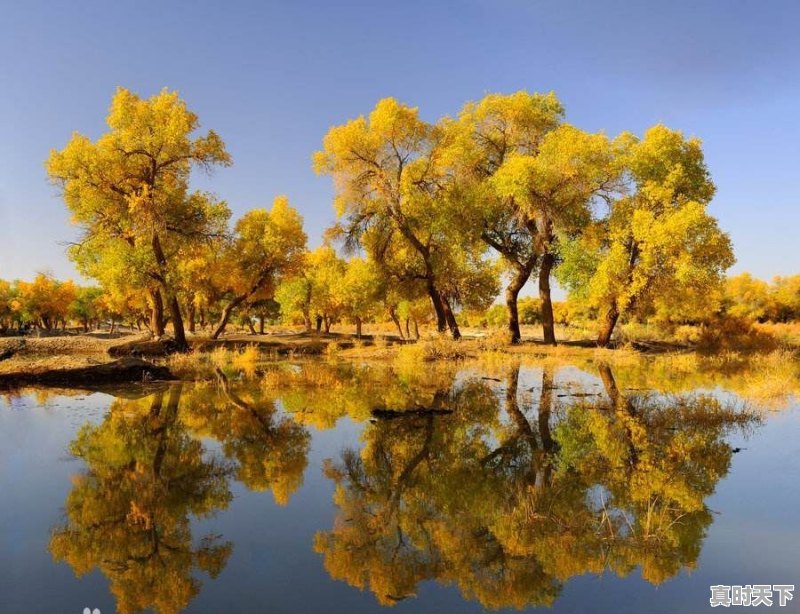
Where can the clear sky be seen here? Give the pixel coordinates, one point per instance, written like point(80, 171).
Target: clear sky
point(272, 77)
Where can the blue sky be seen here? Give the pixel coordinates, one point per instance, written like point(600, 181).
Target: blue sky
point(272, 77)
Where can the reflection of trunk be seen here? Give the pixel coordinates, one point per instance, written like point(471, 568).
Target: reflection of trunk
point(405, 475)
point(264, 421)
point(610, 384)
point(523, 427)
point(545, 407)
point(621, 404)
point(396, 320)
point(607, 327)
point(548, 325)
point(450, 318)
point(512, 407)
point(162, 422)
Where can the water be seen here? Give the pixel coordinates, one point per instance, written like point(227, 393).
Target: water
point(583, 488)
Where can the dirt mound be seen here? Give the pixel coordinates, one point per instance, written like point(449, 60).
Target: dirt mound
point(120, 371)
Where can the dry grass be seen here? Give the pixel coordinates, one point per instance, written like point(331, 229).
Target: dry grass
point(246, 360)
point(787, 334)
point(189, 365)
point(497, 340)
point(332, 350)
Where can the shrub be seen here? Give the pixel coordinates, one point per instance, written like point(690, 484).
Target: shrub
point(498, 339)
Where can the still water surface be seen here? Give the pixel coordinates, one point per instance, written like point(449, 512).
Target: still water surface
point(504, 488)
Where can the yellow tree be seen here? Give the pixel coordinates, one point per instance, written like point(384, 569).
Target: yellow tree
point(85, 307)
point(130, 187)
point(658, 237)
point(45, 301)
point(6, 305)
point(266, 245)
point(390, 187)
point(361, 291)
point(554, 188)
point(121, 269)
point(747, 297)
point(785, 298)
point(325, 272)
point(293, 295)
point(485, 135)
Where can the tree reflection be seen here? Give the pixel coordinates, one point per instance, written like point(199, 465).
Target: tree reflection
point(128, 513)
point(507, 500)
point(269, 449)
point(481, 483)
point(148, 474)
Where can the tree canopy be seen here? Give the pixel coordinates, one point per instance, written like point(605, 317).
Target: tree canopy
point(432, 218)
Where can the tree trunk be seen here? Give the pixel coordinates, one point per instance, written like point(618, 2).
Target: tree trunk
point(548, 324)
point(441, 318)
point(319, 323)
point(416, 329)
point(521, 275)
point(396, 320)
point(451, 319)
point(250, 325)
point(358, 328)
point(261, 325)
point(607, 328)
point(157, 314)
point(226, 314)
point(408, 331)
point(327, 321)
point(190, 314)
point(177, 324)
point(172, 299)
point(238, 300)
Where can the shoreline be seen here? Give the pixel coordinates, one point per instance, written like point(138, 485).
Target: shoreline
point(95, 360)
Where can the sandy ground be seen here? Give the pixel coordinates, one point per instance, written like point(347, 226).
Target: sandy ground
point(36, 355)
